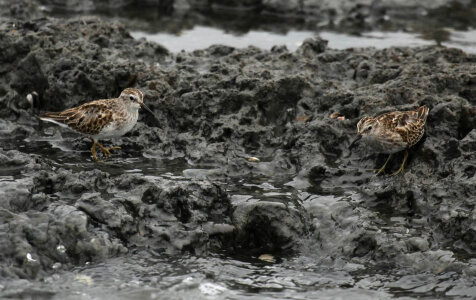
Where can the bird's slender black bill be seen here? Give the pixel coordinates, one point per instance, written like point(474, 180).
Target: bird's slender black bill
point(150, 111)
point(147, 109)
point(356, 139)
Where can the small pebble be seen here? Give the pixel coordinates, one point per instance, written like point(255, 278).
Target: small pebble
point(84, 279)
point(303, 118)
point(29, 257)
point(338, 116)
point(267, 258)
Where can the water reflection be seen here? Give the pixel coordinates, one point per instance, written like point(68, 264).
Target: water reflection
point(190, 29)
point(201, 37)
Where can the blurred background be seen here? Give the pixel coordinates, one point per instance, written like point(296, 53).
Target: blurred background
point(196, 24)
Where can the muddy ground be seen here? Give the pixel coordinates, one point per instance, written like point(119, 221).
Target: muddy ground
point(216, 108)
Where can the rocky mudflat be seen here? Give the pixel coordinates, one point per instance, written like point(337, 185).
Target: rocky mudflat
point(244, 160)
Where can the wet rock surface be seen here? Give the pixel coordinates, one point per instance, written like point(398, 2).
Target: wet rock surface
point(188, 191)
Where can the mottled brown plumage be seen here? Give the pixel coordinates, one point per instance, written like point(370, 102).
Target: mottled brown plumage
point(88, 118)
point(393, 132)
point(105, 118)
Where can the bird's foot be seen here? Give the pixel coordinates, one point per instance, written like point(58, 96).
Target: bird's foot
point(93, 150)
point(378, 171)
point(94, 155)
point(398, 171)
point(107, 151)
point(112, 148)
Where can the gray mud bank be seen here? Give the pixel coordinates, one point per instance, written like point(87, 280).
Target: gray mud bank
point(188, 187)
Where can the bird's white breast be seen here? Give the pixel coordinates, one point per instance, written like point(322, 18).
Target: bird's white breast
point(119, 126)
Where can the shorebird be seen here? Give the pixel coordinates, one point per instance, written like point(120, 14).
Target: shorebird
point(392, 132)
point(102, 119)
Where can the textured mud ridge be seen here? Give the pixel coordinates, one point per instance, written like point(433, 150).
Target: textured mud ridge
point(189, 188)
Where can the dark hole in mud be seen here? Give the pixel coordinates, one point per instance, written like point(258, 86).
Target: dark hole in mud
point(261, 239)
point(470, 171)
point(317, 174)
point(227, 133)
point(466, 124)
point(411, 202)
point(365, 245)
point(251, 141)
point(151, 196)
point(182, 211)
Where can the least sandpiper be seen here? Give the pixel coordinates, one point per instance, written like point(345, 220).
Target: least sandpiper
point(100, 119)
point(392, 132)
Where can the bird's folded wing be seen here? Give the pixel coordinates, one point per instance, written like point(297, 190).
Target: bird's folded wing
point(88, 118)
point(410, 124)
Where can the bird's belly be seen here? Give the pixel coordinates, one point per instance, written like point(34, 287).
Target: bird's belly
point(383, 145)
point(116, 129)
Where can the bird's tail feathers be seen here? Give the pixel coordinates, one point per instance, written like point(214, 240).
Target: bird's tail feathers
point(422, 112)
point(53, 117)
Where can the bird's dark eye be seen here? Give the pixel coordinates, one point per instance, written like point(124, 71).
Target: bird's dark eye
point(132, 98)
point(369, 128)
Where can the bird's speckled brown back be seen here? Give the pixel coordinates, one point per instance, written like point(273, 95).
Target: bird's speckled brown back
point(89, 118)
point(408, 124)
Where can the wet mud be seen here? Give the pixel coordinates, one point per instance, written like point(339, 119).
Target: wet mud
point(184, 189)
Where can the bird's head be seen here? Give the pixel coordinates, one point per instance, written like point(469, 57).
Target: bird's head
point(366, 125)
point(134, 98)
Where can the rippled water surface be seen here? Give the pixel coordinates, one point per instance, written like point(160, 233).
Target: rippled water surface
point(149, 275)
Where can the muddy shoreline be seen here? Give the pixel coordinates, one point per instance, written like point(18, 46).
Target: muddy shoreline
point(189, 187)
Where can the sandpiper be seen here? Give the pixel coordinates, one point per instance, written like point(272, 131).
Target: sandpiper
point(392, 132)
point(100, 119)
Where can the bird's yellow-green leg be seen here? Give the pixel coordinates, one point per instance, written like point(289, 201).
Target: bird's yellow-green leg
point(378, 171)
point(93, 150)
point(107, 151)
point(403, 164)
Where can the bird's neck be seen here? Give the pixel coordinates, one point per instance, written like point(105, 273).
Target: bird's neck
point(131, 109)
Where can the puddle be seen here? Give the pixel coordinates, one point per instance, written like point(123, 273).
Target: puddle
point(201, 37)
point(194, 30)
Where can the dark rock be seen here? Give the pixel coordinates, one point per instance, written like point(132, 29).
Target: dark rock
point(312, 46)
point(234, 122)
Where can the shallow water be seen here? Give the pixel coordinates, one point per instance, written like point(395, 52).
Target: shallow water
point(201, 37)
point(146, 274)
point(150, 276)
point(198, 30)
